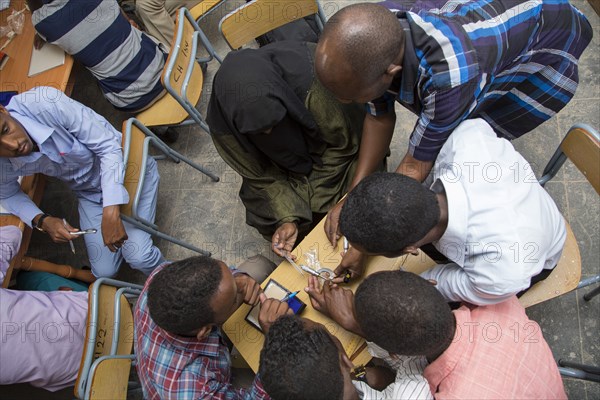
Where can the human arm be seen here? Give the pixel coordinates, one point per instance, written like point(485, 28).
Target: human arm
point(335, 302)
point(375, 142)
point(457, 284)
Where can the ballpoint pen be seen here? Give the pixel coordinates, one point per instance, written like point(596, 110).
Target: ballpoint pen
point(70, 241)
point(289, 296)
point(84, 232)
point(346, 245)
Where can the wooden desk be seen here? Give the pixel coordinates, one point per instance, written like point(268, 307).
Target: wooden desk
point(13, 76)
point(249, 341)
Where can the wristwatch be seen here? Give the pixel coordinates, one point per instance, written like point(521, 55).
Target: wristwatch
point(359, 373)
point(40, 223)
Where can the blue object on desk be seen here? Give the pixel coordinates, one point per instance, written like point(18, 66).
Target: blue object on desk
point(6, 96)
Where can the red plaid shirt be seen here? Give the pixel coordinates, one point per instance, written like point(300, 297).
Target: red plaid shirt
point(178, 367)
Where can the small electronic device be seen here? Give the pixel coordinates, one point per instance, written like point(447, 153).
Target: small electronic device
point(275, 290)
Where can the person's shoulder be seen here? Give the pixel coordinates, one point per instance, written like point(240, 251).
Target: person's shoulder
point(38, 97)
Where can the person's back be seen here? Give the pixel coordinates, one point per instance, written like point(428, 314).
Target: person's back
point(127, 62)
point(504, 227)
point(474, 352)
point(498, 353)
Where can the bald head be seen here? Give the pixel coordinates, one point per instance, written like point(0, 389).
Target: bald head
point(358, 50)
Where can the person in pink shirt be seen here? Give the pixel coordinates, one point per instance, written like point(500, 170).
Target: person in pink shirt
point(42, 333)
point(474, 352)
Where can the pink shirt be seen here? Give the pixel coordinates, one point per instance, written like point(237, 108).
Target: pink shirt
point(497, 353)
point(42, 333)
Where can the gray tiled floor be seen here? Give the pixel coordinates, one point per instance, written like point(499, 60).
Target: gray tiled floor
point(210, 215)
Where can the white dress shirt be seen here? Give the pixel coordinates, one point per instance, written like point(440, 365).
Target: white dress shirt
point(503, 227)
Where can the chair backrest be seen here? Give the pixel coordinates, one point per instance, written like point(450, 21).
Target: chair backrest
point(258, 17)
point(582, 146)
point(183, 76)
point(135, 164)
point(107, 322)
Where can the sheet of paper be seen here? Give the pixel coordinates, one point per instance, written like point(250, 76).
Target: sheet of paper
point(48, 57)
point(4, 4)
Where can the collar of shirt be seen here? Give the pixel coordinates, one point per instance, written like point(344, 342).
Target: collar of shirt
point(410, 64)
point(208, 347)
point(441, 367)
point(453, 241)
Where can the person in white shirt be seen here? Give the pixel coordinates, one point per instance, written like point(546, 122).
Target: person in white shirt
point(485, 212)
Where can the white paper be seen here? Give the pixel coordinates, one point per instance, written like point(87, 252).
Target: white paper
point(4, 4)
point(48, 57)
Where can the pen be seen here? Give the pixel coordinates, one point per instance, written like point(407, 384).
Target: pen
point(85, 232)
point(289, 296)
point(346, 245)
point(70, 241)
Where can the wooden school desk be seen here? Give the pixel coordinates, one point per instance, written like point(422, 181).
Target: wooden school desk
point(249, 341)
point(13, 77)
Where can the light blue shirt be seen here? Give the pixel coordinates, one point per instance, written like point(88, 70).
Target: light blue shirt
point(76, 145)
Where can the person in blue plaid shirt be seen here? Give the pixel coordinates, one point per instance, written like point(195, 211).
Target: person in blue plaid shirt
point(511, 62)
point(179, 346)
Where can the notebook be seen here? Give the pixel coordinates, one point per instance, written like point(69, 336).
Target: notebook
point(48, 57)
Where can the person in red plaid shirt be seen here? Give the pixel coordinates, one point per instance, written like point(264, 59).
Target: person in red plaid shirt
point(180, 349)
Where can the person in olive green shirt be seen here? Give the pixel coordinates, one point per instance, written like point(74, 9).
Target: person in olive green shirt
point(293, 143)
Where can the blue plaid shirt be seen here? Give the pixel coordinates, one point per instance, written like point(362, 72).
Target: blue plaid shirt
point(462, 57)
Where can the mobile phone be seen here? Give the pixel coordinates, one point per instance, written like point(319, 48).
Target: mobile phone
point(296, 305)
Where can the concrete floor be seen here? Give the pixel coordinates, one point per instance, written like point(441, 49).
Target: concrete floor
point(210, 215)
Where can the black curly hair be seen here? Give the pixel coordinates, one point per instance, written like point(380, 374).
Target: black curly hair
point(179, 295)
point(403, 313)
point(386, 212)
point(299, 363)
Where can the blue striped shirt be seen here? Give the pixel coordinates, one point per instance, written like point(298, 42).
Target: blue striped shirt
point(510, 62)
point(126, 62)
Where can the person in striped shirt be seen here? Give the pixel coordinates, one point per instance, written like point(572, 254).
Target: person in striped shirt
point(511, 62)
point(126, 62)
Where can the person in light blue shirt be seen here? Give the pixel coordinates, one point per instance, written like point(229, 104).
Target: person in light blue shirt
point(44, 131)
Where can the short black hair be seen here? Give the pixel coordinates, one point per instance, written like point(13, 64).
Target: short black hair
point(297, 363)
point(387, 211)
point(372, 48)
point(179, 295)
point(403, 313)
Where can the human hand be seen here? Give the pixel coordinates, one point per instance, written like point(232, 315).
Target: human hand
point(58, 230)
point(38, 41)
point(379, 377)
point(333, 301)
point(248, 288)
point(113, 231)
point(270, 310)
point(332, 223)
point(284, 238)
point(353, 262)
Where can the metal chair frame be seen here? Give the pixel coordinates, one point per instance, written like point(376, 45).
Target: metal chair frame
point(182, 99)
point(83, 390)
point(568, 368)
point(151, 138)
